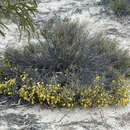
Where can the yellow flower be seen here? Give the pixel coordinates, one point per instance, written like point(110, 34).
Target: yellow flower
point(23, 79)
point(12, 81)
point(63, 105)
point(55, 101)
point(68, 105)
point(54, 91)
point(98, 101)
point(84, 105)
point(38, 83)
point(113, 81)
point(97, 77)
point(83, 100)
point(36, 69)
point(10, 93)
point(32, 101)
point(52, 97)
point(70, 99)
point(27, 99)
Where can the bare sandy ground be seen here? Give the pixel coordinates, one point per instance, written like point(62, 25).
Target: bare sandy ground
point(39, 118)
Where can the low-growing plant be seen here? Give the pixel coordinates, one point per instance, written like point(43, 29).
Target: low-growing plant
point(55, 95)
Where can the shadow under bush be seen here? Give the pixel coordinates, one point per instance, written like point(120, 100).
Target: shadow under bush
point(67, 56)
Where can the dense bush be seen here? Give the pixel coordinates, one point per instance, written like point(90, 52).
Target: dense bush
point(63, 48)
point(104, 58)
point(119, 6)
point(68, 48)
point(65, 65)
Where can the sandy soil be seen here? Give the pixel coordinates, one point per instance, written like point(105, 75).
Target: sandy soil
point(39, 118)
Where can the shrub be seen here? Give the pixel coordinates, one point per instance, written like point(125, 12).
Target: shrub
point(65, 40)
point(63, 47)
point(67, 49)
point(119, 6)
point(64, 66)
point(104, 58)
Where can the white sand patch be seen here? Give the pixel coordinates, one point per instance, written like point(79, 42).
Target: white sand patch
point(101, 118)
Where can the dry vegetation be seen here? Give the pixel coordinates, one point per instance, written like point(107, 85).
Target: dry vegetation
point(66, 70)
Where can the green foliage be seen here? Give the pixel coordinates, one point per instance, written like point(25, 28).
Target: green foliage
point(119, 6)
point(19, 12)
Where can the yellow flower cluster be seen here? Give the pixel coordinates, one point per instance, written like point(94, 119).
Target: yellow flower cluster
point(122, 93)
point(6, 88)
point(95, 96)
point(54, 94)
point(50, 94)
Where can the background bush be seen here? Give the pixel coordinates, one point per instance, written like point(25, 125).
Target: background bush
point(119, 6)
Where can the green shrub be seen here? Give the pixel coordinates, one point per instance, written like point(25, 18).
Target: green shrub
point(119, 6)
